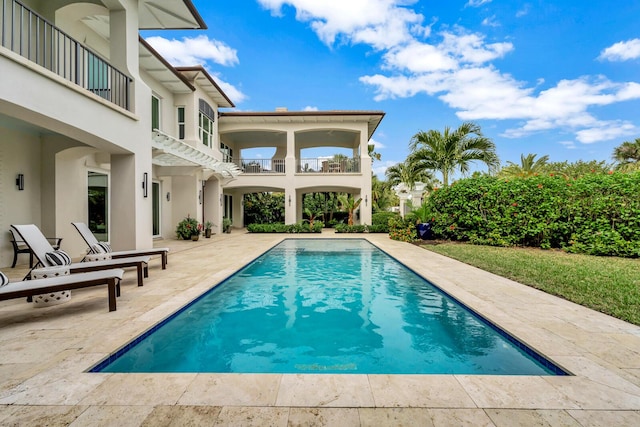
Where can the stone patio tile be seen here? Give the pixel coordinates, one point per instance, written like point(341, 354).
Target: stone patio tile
point(316, 417)
point(108, 416)
point(611, 376)
point(524, 392)
point(460, 418)
point(395, 417)
point(527, 418)
point(592, 395)
point(325, 390)
point(247, 416)
point(34, 415)
point(61, 391)
point(232, 390)
point(179, 415)
point(420, 391)
point(607, 418)
point(138, 389)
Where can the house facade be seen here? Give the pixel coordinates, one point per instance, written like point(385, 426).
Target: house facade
point(96, 126)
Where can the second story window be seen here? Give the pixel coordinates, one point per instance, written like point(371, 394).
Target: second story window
point(205, 119)
point(227, 153)
point(155, 112)
point(181, 124)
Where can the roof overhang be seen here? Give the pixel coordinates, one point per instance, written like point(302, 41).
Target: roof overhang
point(169, 14)
point(373, 118)
point(198, 75)
point(163, 72)
point(168, 151)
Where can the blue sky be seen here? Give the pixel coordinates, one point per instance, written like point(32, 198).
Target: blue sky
point(560, 78)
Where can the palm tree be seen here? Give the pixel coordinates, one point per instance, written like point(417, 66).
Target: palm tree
point(350, 205)
point(627, 153)
point(453, 149)
point(408, 173)
point(528, 166)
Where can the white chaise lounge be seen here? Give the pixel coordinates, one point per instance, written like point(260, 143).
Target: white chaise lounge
point(41, 247)
point(96, 247)
point(30, 288)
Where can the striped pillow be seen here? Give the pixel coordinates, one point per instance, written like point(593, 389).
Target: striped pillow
point(101, 248)
point(58, 257)
point(4, 280)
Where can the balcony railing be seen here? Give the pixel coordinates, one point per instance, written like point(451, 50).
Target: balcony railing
point(340, 165)
point(33, 37)
point(260, 165)
point(346, 165)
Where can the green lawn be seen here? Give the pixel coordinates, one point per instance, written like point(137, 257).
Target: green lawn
point(607, 284)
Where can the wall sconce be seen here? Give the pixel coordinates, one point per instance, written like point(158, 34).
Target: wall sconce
point(145, 184)
point(200, 196)
point(168, 196)
point(289, 200)
point(365, 200)
point(20, 181)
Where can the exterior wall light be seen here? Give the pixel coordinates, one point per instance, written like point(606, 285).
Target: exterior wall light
point(145, 184)
point(20, 181)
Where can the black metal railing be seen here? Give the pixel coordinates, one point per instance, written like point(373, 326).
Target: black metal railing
point(33, 37)
point(260, 165)
point(332, 165)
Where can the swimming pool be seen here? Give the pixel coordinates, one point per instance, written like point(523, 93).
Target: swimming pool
point(327, 306)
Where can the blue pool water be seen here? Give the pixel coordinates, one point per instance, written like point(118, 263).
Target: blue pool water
point(327, 306)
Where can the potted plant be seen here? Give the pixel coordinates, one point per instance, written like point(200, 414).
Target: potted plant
point(207, 229)
point(423, 226)
point(226, 225)
point(188, 227)
point(196, 233)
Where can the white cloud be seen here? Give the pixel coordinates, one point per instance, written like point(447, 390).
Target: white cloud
point(477, 3)
point(379, 23)
point(569, 145)
point(310, 108)
point(460, 68)
point(376, 144)
point(200, 50)
point(194, 51)
point(490, 21)
point(621, 51)
point(379, 168)
point(524, 11)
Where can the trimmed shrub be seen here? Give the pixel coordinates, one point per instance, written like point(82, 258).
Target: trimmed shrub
point(285, 228)
point(344, 228)
point(596, 214)
point(403, 230)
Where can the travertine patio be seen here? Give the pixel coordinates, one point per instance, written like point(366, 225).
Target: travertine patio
point(44, 353)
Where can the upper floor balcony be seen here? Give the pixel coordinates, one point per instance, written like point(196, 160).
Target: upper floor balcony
point(339, 165)
point(31, 36)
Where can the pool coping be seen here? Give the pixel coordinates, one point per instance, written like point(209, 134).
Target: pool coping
point(603, 353)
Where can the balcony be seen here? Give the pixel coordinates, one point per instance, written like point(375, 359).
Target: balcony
point(322, 166)
point(29, 35)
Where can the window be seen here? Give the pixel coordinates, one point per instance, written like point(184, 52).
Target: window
point(155, 112)
point(181, 124)
point(228, 207)
point(98, 198)
point(227, 153)
point(205, 122)
point(155, 192)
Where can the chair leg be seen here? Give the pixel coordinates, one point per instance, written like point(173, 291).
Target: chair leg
point(15, 259)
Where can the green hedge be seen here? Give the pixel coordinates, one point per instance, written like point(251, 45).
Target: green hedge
point(403, 230)
point(286, 228)
point(597, 214)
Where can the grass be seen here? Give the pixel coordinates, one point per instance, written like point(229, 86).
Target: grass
point(606, 284)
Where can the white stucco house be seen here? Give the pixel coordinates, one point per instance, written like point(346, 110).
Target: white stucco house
point(96, 126)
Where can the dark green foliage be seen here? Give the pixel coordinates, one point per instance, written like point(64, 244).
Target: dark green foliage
point(263, 208)
point(597, 214)
point(188, 227)
point(344, 228)
point(285, 228)
point(382, 218)
point(403, 230)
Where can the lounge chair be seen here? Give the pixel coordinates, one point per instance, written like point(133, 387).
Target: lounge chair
point(97, 247)
point(29, 288)
point(41, 247)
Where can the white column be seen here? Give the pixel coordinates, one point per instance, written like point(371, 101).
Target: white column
point(365, 186)
point(290, 198)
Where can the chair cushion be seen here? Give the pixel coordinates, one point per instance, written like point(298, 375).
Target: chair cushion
point(58, 257)
point(101, 248)
point(3, 279)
